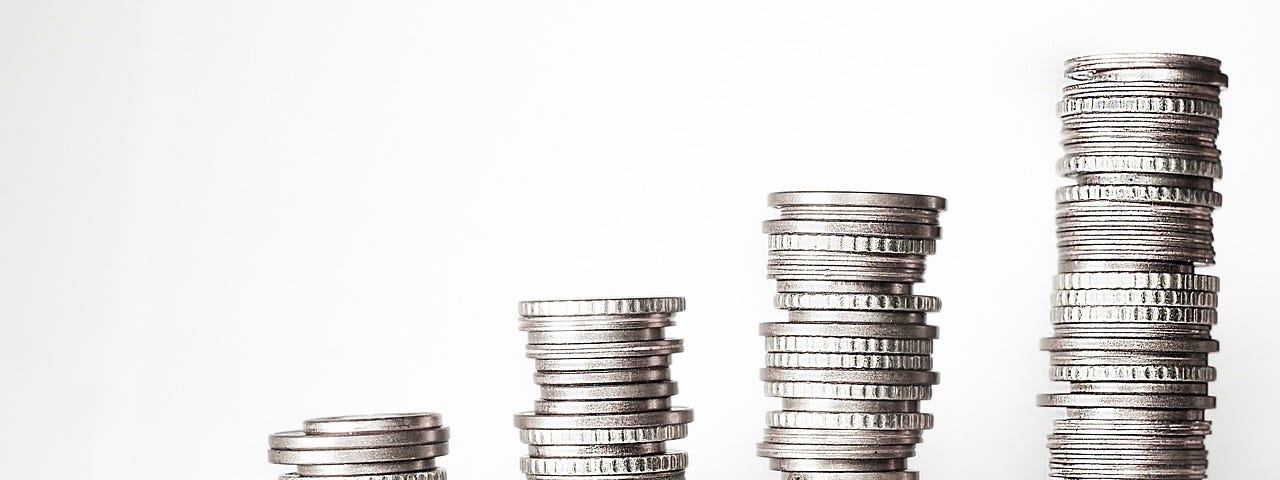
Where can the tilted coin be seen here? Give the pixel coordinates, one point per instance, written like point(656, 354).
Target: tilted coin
point(360, 455)
point(372, 423)
point(604, 322)
point(299, 440)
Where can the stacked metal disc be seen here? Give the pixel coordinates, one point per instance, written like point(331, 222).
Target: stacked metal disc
point(852, 363)
point(603, 369)
point(400, 446)
point(1131, 317)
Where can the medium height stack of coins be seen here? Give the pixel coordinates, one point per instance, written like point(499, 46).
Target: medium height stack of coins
point(399, 446)
point(603, 368)
point(1131, 317)
point(853, 362)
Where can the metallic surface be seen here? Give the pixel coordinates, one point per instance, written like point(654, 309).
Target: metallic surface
point(852, 362)
point(1130, 315)
point(604, 378)
point(399, 446)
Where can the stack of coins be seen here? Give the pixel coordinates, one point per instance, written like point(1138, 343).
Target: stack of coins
point(853, 362)
point(603, 368)
point(1131, 317)
point(398, 446)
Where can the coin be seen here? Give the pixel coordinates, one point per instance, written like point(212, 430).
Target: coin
point(372, 423)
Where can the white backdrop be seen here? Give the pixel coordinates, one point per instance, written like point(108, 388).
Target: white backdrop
point(221, 218)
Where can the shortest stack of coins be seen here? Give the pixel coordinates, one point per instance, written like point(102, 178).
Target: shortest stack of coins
point(398, 446)
point(603, 368)
point(853, 362)
point(1131, 316)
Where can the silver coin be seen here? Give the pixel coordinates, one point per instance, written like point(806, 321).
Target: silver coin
point(861, 199)
point(674, 475)
point(601, 377)
point(433, 474)
point(835, 405)
point(1130, 344)
point(299, 440)
point(1127, 401)
point(561, 324)
point(847, 391)
point(609, 392)
point(823, 344)
point(855, 316)
point(810, 436)
point(879, 377)
point(842, 360)
point(604, 436)
point(372, 423)
point(870, 229)
point(829, 465)
point(1124, 266)
point(361, 455)
point(821, 286)
point(1130, 387)
point(607, 450)
point(664, 462)
point(604, 350)
point(897, 475)
point(856, 301)
point(380, 468)
point(838, 452)
point(1134, 414)
point(601, 307)
point(849, 420)
point(594, 336)
point(798, 329)
point(590, 407)
point(852, 244)
point(675, 416)
point(587, 364)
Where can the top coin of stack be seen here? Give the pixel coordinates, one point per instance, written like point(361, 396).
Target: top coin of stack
point(603, 371)
point(399, 446)
point(1131, 317)
point(852, 362)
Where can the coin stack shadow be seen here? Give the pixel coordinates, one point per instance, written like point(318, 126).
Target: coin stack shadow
point(1131, 317)
point(853, 362)
point(603, 369)
point(400, 446)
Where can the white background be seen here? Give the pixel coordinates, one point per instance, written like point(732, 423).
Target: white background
point(221, 218)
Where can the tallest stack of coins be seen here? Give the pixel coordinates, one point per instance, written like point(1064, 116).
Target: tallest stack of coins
point(852, 363)
point(1131, 317)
